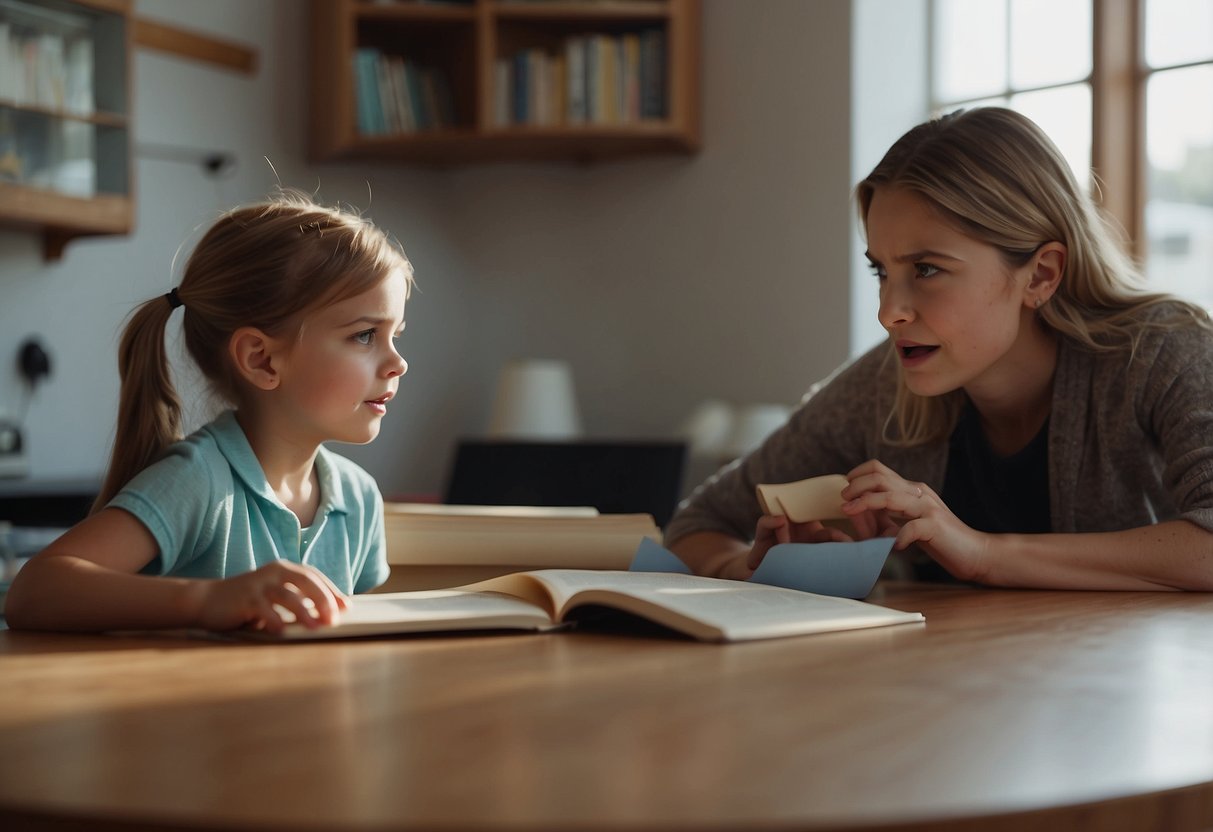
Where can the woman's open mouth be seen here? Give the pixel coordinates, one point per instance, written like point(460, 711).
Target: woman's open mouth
point(913, 354)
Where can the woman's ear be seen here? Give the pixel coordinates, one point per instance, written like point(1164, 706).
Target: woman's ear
point(254, 355)
point(1048, 264)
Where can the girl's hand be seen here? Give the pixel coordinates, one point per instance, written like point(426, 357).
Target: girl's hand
point(249, 600)
point(879, 502)
point(773, 529)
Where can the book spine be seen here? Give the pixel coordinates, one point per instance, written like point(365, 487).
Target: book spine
point(387, 97)
point(593, 80)
point(403, 92)
point(366, 92)
point(652, 74)
point(503, 85)
point(558, 88)
point(574, 58)
point(521, 82)
point(609, 89)
point(631, 77)
point(536, 92)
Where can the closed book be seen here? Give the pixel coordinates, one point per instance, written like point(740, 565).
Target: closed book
point(575, 94)
point(366, 93)
point(440, 546)
point(652, 74)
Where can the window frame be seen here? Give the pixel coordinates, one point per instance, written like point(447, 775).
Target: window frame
point(1118, 80)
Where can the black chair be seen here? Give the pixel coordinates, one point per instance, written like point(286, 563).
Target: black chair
point(615, 477)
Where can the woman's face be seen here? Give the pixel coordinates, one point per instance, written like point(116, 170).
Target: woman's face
point(958, 315)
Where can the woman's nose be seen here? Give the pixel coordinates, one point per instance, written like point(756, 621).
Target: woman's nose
point(895, 306)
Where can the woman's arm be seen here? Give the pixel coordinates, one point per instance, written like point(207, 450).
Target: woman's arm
point(1171, 555)
point(87, 580)
point(1175, 554)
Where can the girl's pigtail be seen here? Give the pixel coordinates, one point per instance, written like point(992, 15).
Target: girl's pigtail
point(149, 409)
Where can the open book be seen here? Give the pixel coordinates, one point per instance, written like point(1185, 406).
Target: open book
point(708, 609)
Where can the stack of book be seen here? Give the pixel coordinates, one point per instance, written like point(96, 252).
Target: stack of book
point(437, 546)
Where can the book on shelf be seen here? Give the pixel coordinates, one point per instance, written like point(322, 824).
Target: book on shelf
point(435, 546)
point(707, 609)
point(393, 95)
point(593, 79)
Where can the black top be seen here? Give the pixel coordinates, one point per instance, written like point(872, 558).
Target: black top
point(993, 493)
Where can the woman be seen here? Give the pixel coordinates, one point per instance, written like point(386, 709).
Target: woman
point(1033, 420)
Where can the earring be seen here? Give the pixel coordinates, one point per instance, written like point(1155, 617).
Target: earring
point(1038, 302)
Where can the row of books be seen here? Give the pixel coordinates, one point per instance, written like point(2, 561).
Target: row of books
point(594, 79)
point(42, 69)
point(397, 96)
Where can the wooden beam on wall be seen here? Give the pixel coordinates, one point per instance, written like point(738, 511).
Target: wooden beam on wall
point(186, 44)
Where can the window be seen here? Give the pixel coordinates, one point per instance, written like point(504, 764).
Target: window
point(1178, 82)
point(1125, 87)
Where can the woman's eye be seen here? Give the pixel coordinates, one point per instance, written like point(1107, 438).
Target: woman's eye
point(877, 270)
point(366, 337)
point(925, 269)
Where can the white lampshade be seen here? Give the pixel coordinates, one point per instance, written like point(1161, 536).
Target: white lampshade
point(708, 428)
point(535, 400)
point(754, 423)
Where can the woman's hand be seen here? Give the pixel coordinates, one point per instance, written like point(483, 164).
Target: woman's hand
point(879, 502)
point(251, 600)
point(772, 529)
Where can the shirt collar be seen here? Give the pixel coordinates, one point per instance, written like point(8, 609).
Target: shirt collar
point(234, 445)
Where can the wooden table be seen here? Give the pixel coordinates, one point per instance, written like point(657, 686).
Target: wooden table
point(1006, 710)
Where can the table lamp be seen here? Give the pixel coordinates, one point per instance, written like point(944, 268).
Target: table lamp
point(754, 423)
point(535, 400)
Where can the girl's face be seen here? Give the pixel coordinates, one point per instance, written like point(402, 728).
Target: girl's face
point(958, 315)
point(339, 374)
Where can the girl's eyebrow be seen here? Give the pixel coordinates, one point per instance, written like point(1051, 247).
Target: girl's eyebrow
point(366, 320)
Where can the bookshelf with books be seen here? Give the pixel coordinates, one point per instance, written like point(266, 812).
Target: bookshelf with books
point(65, 167)
point(446, 83)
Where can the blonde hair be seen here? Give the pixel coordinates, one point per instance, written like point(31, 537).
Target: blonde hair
point(995, 176)
point(264, 265)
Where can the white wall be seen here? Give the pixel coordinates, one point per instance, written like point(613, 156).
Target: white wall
point(663, 281)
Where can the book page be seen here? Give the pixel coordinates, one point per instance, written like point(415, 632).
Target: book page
point(712, 609)
point(428, 611)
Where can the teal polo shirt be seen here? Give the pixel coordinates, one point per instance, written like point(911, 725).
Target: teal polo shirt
point(213, 515)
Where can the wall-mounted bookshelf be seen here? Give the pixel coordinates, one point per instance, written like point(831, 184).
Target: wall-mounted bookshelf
point(65, 145)
point(446, 83)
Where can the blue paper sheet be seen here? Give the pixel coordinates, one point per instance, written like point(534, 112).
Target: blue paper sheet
point(845, 570)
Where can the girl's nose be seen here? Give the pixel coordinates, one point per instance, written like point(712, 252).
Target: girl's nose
point(397, 366)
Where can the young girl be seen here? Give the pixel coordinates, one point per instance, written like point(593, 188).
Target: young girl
point(290, 310)
point(1033, 420)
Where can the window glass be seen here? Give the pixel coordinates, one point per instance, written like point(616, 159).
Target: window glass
point(969, 40)
point(1178, 31)
point(1179, 206)
point(1064, 113)
point(1050, 42)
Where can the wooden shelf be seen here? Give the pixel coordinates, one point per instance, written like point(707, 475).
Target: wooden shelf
point(465, 42)
point(65, 171)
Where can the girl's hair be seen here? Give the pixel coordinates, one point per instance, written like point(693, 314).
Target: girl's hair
point(996, 177)
point(264, 265)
